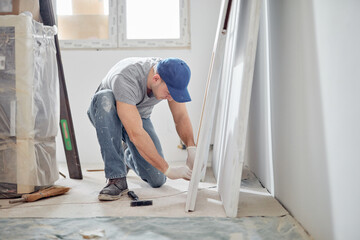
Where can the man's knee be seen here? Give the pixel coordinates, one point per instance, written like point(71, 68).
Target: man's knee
point(158, 182)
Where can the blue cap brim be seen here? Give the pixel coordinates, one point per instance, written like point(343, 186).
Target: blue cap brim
point(179, 95)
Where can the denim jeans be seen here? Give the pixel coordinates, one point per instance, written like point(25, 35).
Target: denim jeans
point(111, 132)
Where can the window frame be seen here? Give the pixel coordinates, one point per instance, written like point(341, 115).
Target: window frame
point(117, 32)
point(183, 41)
point(111, 42)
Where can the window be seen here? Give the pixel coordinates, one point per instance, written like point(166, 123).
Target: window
point(123, 23)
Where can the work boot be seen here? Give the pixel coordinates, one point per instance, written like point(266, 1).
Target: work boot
point(114, 189)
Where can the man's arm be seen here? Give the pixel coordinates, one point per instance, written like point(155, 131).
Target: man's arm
point(132, 122)
point(130, 118)
point(182, 122)
point(184, 129)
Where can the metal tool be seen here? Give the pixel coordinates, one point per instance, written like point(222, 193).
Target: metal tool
point(136, 202)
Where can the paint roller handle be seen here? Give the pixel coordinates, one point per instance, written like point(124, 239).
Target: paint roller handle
point(133, 195)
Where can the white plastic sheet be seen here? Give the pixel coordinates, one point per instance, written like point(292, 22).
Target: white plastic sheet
point(133, 228)
point(29, 104)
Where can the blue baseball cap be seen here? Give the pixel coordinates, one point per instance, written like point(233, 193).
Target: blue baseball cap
point(176, 74)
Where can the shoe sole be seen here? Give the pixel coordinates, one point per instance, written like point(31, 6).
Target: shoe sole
point(107, 197)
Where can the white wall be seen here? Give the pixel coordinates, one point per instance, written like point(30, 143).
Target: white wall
point(314, 75)
point(84, 70)
point(338, 31)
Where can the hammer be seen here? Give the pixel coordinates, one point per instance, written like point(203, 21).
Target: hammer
point(135, 200)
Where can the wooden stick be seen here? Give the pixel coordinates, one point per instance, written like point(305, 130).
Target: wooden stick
point(48, 192)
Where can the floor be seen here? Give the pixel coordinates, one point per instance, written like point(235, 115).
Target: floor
point(260, 216)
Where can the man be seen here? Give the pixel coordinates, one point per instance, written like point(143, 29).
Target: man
point(120, 111)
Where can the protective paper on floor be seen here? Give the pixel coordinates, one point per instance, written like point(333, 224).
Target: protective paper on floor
point(254, 228)
point(255, 200)
point(168, 200)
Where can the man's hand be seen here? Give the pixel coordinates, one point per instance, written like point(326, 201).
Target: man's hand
point(178, 172)
point(191, 156)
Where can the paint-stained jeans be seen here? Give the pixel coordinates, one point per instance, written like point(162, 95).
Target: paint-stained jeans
point(111, 132)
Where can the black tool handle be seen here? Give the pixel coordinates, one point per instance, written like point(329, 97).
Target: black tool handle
point(133, 195)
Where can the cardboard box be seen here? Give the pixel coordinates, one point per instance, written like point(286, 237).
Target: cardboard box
point(15, 7)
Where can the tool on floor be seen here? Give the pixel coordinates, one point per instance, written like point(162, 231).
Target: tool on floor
point(94, 170)
point(63, 175)
point(136, 202)
point(44, 193)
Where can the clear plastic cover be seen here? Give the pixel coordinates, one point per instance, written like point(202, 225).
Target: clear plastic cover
point(29, 104)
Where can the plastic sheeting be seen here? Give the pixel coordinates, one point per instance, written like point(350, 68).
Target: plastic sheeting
point(199, 228)
point(29, 104)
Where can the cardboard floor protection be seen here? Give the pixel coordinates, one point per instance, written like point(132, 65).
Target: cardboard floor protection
point(168, 200)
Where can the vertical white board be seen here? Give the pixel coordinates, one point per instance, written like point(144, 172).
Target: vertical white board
point(208, 111)
point(222, 105)
point(230, 168)
point(236, 89)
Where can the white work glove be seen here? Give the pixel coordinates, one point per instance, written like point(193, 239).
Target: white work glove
point(191, 156)
point(178, 172)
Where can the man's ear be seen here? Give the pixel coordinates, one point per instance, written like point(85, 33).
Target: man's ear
point(156, 78)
